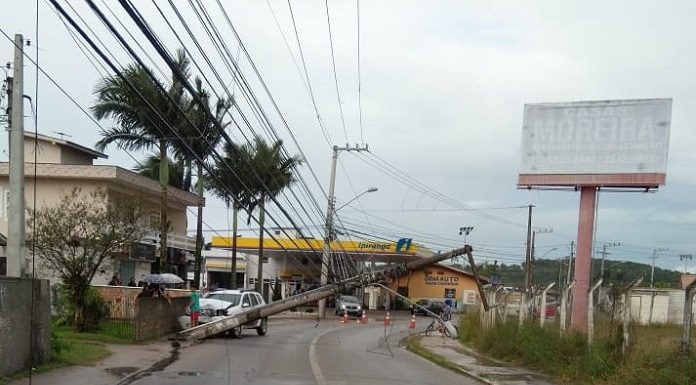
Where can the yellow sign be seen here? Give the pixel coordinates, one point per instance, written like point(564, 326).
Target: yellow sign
point(401, 246)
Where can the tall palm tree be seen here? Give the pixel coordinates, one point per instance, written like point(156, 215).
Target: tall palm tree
point(201, 138)
point(144, 115)
point(272, 172)
point(150, 168)
point(230, 187)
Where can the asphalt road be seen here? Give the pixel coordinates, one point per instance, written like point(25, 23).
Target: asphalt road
point(297, 352)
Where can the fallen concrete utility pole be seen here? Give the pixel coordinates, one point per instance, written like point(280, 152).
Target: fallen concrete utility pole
point(227, 323)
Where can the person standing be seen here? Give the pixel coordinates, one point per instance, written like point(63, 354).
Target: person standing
point(447, 311)
point(194, 307)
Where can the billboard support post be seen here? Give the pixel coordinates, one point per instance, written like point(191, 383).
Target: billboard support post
point(583, 259)
point(587, 145)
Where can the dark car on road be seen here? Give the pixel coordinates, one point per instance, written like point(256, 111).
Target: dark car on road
point(432, 305)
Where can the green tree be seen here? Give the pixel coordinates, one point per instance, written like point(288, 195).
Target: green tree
point(151, 169)
point(74, 238)
point(270, 173)
point(201, 138)
point(230, 187)
point(144, 116)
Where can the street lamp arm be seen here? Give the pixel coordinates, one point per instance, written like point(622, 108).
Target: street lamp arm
point(371, 189)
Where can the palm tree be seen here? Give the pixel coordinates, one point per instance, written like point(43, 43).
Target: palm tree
point(230, 187)
point(271, 172)
point(201, 138)
point(144, 116)
point(151, 165)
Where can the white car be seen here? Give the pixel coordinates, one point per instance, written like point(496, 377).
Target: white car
point(222, 303)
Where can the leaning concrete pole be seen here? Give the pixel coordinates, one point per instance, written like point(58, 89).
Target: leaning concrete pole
point(15, 215)
point(251, 315)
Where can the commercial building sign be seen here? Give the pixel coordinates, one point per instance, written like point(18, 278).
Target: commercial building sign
point(441, 280)
point(596, 137)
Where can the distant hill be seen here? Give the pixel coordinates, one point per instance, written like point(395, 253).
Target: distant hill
point(546, 271)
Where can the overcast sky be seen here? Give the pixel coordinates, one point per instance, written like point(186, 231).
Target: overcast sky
point(443, 90)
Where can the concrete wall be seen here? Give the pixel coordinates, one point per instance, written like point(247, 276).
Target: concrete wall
point(156, 317)
point(667, 307)
point(24, 343)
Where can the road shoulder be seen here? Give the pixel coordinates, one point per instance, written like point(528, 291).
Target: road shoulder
point(451, 354)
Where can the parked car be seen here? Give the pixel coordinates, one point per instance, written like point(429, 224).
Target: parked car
point(222, 303)
point(433, 305)
point(348, 304)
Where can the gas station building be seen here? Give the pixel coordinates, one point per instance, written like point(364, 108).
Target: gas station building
point(295, 263)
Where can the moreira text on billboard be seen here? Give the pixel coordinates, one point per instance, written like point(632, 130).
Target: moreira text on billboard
point(574, 141)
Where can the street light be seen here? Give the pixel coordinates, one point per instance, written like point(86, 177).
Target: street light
point(369, 190)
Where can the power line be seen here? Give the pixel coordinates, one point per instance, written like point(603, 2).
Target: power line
point(333, 65)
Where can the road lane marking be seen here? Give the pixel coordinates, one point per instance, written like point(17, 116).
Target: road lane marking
point(313, 362)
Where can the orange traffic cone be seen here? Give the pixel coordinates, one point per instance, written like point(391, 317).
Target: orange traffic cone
point(344, 319)
point(412, 323)
point(363, 319)
point(387, 319)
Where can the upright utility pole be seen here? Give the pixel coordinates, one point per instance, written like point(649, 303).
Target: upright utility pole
point(528, 258)
point(527, 270)
point(684, 257)
point(328, 226)
point(15, 215)
point(604, 254)
point(652, 271)
point(570, 262)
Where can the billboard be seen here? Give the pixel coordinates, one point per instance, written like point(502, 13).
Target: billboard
point(611, 143)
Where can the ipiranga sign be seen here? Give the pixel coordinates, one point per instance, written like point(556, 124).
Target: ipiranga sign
point(596, 137)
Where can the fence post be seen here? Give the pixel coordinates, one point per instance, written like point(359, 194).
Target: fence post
point(627, 314)
point(590, 311)
point(686, 327)
point(542, 311)
point(563, 318)
point(523, 308)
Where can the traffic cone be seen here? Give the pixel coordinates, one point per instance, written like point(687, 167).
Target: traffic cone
point(344, 319)
point(387, 319)
point(412, 323)
point(363, 319)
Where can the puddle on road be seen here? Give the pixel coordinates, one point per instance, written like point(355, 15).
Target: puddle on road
point(121, 371)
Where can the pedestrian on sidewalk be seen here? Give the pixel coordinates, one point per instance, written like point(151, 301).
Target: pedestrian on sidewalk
point(194, 307)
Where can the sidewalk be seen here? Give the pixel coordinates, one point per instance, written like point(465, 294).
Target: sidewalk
point(485, 369)
point(124, 360)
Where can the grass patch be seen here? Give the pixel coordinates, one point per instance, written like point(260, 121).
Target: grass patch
point(413, 345)
point(66, 352)
point(109, 332)
point(652, 358)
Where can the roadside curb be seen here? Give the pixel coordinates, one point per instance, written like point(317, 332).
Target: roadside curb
point(454, 367)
